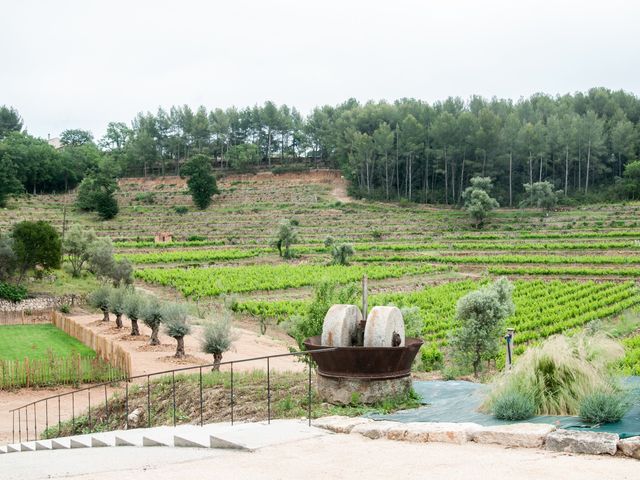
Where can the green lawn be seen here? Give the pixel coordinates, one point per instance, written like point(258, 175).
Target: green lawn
point(18, 342)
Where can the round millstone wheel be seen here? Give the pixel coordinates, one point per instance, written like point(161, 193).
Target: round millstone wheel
point(339, 326)
point(384, 328)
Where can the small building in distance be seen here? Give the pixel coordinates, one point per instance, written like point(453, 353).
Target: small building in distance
point(163, 237)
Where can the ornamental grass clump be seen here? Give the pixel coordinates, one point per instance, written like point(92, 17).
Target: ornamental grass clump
point(560, 373)
point(513, 405)
point(603, 407)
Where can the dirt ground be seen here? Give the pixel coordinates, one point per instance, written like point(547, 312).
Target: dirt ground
point(330, 456)
point(144, 360)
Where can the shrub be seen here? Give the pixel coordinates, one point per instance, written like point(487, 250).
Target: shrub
point(513, 405)
point(65, 308)
point(196, 238)
point(106, 205)
point(217, 339)
point(603, 407)
point(146, 197)
point(8, 259)
point(325, 294)
point(180, 209)
point(13, 293)
point(431, 357)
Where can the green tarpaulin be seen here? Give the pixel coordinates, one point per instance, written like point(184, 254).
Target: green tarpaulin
point(458, 401)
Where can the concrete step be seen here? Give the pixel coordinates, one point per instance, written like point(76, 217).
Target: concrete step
point(242, 436)
point(104, 439)
point(27, 446)
point(80, 441)
point(43, 445)
point(61, 443)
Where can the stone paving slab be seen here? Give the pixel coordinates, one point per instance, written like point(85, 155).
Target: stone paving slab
point(630, 447)
point(527, 435)
point(593, 443)
point(340, 424)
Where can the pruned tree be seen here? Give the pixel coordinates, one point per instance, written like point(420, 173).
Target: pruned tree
point(286, 236)
point(481, 315)
point(134, 306)
point(77, 246)
point(152, 318)
point(99, 298)
point(117, 298)
point(175, 318)
point(477, 201)
point(101, 259)
point(217, 339)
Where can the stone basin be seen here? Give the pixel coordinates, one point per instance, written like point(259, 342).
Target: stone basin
point(365, 362)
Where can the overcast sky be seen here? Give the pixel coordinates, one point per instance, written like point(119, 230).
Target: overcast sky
point(81, 64)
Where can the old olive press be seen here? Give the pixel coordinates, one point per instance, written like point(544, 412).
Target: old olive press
point(370, 361)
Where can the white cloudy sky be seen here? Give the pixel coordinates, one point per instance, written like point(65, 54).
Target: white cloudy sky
point(81, 64)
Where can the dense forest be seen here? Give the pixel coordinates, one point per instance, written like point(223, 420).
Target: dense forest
point(408, 149)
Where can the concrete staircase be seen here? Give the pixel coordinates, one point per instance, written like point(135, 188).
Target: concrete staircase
point(241, 436)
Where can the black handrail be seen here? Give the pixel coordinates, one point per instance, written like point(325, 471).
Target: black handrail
point(148, 376)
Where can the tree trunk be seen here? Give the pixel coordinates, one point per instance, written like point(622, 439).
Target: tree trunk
point(105, 313)
point(586, 183)
point(511, 178)
point(540, 174)
point(118, 320)
point(154, 335)
point(530, 169)
point(446, 178)
point(566, 170)
point(135, 329)
point(217, 359)
point(180, 348)
point(461, 177)
point(386, 173)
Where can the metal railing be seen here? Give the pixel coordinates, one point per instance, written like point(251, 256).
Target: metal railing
point(104, 387)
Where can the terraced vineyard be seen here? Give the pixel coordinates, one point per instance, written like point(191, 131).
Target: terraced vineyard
point(402, 248)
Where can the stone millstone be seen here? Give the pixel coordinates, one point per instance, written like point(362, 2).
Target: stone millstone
point(339, 326)
point(383, 324)
point(570, 441)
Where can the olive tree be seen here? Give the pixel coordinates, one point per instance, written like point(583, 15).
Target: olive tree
point(481, 315)
point(134, 305)
point(217, 339)
point(77, 246)
point(477, 201)
point(116, 304)
point(175, 318)
point(152, 318)
point(286, 236)
point(99, 298)
point(340, 252)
